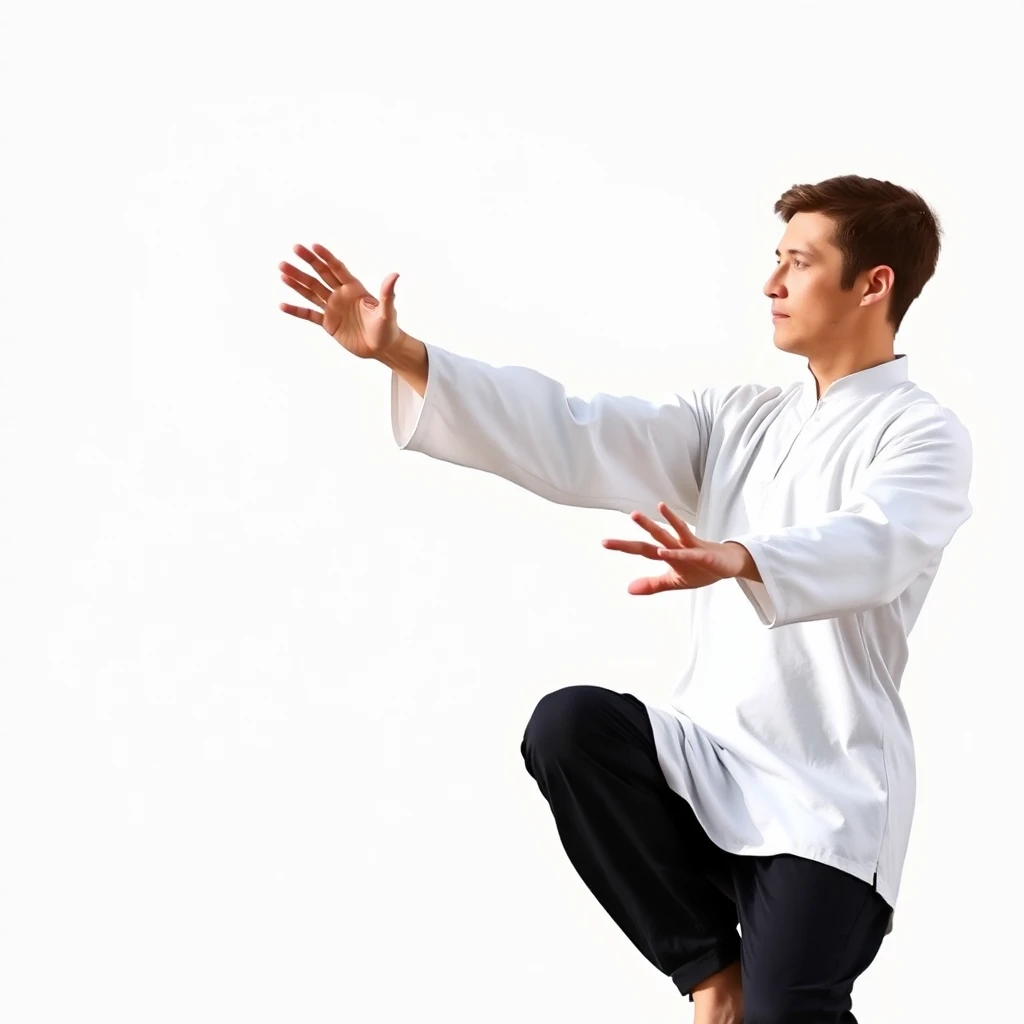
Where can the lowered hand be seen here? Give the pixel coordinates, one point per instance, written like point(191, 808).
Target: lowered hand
point(692, 562)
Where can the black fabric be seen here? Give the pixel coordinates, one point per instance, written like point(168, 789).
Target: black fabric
point(808, 929)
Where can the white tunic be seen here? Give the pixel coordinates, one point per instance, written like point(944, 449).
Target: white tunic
point(786, 732)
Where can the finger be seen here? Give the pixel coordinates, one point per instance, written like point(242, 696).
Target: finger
point(656, 584)
point(387, 297)
point(336, 268)
point(306, 293)
point(685, 533)
point(328, 271)
point(659, 533)
point(684, 559)
point(303, 314)
point(320, 296)
point(633, 547)
point(291, 273)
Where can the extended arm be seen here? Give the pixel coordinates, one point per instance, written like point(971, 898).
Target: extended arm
point(610, 452)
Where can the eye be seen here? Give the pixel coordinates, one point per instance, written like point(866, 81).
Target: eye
point(799, 264)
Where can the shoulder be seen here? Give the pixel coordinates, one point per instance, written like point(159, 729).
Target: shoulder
point(742, 401)
point(921, 428)
point(912, 411)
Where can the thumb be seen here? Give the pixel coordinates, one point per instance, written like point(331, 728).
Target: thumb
point(387, 297)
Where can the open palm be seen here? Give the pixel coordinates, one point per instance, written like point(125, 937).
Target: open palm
point(692, 562)
point(364, 325)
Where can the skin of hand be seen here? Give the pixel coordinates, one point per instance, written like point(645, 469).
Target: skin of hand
point(692, 562)
point(365, 326)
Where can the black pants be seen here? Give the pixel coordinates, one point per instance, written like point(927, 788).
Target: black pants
point(808, 930)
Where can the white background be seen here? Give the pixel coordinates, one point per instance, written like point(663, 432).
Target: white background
point(263, 677)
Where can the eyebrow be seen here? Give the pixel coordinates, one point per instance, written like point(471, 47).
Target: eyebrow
point(798, 252)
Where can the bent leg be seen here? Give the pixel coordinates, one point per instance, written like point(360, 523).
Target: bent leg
point(637, 845)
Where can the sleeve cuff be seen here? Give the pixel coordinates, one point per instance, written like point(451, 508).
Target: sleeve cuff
point(764, 596)
point(408, 409)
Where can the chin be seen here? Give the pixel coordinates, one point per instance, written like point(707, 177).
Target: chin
point(788, 343)
point(791, 345)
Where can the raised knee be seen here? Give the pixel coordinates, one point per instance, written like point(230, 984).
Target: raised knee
point(560, 722)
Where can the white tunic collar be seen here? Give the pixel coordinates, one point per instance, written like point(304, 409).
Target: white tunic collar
point(861, 384)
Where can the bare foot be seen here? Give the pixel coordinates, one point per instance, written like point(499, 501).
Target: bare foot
point(719, 999)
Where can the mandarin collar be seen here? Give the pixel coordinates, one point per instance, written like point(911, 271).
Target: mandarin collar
point(861, 384)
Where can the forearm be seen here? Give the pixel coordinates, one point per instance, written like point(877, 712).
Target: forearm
point(848, 564)
point(608, 452)
point(408, 358)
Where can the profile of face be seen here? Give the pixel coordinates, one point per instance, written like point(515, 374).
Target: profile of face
point(811, 314)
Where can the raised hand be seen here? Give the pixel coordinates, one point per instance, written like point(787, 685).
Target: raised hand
point(692, 562)
point(365, 326)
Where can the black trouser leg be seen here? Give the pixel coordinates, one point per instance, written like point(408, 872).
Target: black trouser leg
point(637, 845)
point(809, 930)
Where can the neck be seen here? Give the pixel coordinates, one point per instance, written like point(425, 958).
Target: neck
point(827, 369)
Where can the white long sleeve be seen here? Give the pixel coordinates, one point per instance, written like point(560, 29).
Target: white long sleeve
point(610, 452)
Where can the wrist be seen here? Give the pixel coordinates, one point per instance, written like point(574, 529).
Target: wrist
point(398, 353)
point(407, 357)
point(746, 567)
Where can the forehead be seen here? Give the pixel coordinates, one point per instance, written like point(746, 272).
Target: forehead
point(810, 232)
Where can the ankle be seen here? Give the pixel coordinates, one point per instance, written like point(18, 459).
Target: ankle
point(719, 999)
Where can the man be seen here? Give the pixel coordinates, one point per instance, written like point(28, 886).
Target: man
point(776, 790)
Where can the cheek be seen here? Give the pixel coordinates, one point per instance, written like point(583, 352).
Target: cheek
point(811, 298)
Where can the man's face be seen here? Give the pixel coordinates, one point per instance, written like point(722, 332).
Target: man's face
point(805, 287)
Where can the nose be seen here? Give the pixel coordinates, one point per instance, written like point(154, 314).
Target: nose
point(773, 287)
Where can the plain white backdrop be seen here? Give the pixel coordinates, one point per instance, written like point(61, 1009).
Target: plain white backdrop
point(263, 677)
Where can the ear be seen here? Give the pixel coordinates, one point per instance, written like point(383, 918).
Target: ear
point(878, 282)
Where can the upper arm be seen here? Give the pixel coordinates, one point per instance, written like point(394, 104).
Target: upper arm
point(920, 475)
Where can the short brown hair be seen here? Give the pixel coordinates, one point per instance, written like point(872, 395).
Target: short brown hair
point(877, 223)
